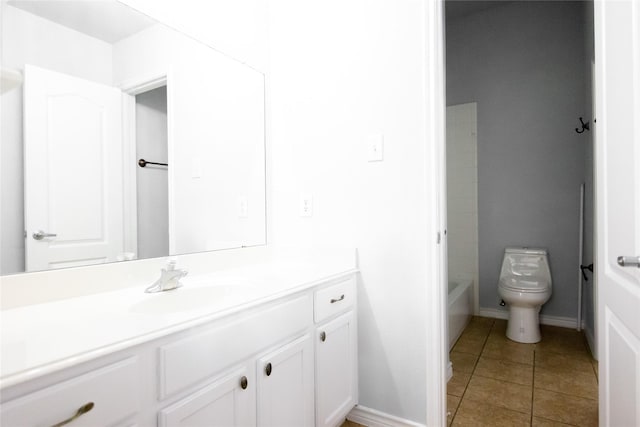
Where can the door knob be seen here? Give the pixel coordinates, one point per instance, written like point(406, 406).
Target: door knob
point(39, 235)
point(629, 261)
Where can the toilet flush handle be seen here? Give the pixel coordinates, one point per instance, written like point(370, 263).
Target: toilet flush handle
point(629, 261)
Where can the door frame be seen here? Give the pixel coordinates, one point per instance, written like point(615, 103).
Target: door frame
point(436, 277)
point(130, 89)
point(436, 69)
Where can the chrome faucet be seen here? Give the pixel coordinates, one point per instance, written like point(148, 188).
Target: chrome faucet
point(169, 278)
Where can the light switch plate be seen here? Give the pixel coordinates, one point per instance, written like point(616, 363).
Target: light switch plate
point(375, 147)
point(306, 205)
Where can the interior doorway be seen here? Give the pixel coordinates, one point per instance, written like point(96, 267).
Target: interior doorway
point(527, 68)
point(152, 186)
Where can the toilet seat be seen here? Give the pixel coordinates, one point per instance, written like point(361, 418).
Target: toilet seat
point(529, 284)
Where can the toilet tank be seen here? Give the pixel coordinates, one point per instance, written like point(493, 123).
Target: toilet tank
point(526, 262)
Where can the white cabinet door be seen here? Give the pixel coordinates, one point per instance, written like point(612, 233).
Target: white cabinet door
point(228, 402)
point(285, 385)
point(336, 370)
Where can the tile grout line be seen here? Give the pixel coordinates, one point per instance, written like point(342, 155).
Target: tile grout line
point(538, 352)
point(486, 338)
point(472, 371)
point(533, 382)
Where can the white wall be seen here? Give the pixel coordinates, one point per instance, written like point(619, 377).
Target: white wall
point(29, 39)
point(341, 71)
point(462, 194)
point(237, 28)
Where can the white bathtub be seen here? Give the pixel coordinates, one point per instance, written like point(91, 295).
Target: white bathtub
point(460, 306)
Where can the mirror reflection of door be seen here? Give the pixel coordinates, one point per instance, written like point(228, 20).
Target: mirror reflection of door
point(74, 158)
point(216, 139)
point(73, 171)
point(152, 180)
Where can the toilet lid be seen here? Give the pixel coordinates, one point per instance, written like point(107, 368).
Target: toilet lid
point(525, 283)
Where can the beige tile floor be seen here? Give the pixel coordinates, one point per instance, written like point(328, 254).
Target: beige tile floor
point(498, 382)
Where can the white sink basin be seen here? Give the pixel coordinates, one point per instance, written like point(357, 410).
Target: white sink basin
point(193, 298)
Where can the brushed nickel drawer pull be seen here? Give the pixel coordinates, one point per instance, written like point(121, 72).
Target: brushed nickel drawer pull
point(323, 336)
point(81, 411)
point(244, 383)
point(267, 369)
point(335, 300)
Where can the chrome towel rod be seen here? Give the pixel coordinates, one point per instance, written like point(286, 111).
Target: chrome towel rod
point(142, 163)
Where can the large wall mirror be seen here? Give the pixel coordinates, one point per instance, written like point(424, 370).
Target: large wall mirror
point(122, 139)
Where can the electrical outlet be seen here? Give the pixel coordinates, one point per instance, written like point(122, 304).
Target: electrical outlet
point(375, 145)
point(306, 205)
point(243, 207)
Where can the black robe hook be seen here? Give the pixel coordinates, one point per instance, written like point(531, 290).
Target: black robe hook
point(584, 126)
point(584, 274)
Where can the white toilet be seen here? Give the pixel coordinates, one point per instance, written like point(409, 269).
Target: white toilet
point(525, 284)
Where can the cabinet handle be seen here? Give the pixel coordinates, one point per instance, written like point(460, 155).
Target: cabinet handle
point(267, 369)
point(335, 300)
point(244, 383)
point(81, 411)
point(323, 336)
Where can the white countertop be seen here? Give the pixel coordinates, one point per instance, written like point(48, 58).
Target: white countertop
point(43, 338)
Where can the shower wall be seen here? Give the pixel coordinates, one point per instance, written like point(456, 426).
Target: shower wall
point(523, 63)
point(462, 195)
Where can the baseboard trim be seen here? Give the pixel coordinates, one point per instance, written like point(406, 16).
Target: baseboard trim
point(372, 418)
point(563, 322)
point(449, 371)
point(494, 313)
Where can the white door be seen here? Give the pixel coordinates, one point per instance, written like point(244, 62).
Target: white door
point(617, 36)
point(73, 171)
point(285, 386)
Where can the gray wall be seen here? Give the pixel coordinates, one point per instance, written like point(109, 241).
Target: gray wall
point(523, 63)
point(588, 256)
point(152, 181)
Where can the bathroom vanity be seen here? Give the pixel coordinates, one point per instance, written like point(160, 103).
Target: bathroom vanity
point(272, 342)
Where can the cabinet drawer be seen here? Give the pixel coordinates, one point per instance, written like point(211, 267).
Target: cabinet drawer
point(192, 359)
point(113, 390)
point(334, 299)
